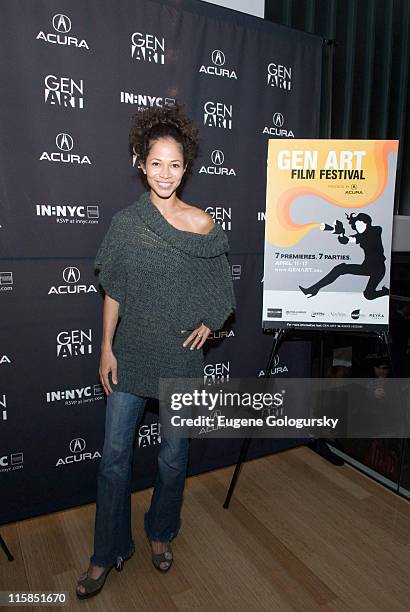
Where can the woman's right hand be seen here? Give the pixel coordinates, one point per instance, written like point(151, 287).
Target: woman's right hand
point(108, 363)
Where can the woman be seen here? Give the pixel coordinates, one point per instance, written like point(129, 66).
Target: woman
point(166, 277)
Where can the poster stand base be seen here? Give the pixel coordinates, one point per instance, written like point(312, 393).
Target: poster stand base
point(277, 340)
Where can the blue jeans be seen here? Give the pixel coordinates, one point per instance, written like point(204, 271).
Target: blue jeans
point(113, 536)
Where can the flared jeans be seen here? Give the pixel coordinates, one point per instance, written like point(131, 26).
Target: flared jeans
point(113, 539)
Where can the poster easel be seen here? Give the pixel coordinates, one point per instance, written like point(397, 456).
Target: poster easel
point(279, 336)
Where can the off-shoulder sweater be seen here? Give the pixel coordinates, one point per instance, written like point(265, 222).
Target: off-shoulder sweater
point(167, 282)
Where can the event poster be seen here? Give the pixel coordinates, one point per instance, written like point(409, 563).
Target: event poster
point(328, 232)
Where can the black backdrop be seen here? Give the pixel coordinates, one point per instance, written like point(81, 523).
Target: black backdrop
point(72, 75)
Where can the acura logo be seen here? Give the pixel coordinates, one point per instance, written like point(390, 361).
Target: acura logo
point(64, 142)
point(61, 23)
point(77, 445)
point(278, 120)
point(71, 275)
point(218, 57)
point(217, 157)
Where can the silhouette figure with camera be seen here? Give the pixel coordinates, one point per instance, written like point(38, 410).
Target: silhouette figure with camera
point(368, 237)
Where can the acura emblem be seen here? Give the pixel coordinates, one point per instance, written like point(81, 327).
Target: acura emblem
point(64, 142)
point(77, 445)
point(71, 274)
point(217, 157)
point(218, 57)
point(61, 23)
point(278, 120)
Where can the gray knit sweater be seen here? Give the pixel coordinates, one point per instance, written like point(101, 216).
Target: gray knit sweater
point(167, 282)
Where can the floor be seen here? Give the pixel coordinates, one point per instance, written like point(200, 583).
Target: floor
point(300, 535)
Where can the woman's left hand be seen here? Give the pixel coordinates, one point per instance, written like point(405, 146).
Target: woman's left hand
point(197, 337)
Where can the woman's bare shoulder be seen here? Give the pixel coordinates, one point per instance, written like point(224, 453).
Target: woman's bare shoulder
point(199, 220)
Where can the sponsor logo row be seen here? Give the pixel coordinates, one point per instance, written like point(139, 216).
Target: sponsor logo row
point(71, 284)
point(78, 342)
point(214, 374)
point(147, 435)
point(71, 276)
point(152, 48)
point(65, 92)
point(218, 115)
point(355, 315)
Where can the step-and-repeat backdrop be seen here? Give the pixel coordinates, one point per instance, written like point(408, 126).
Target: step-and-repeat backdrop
point(73, 73)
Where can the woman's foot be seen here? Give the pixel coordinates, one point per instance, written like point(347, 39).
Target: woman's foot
point(161, 555)
point(94, 572)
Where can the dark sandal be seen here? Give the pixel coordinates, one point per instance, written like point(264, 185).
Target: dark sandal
point(164, 557)
point(93, 586)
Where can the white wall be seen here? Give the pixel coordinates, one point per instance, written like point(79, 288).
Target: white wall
point(252, 7)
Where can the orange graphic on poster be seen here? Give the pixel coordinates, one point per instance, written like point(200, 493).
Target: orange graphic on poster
point(346, 174)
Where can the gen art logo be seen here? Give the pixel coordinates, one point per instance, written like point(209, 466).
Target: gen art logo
point(62, 26)
point(148, 48)
point(65, 144)
point(277, 129)
point(216, 373)
point(217, 168)
point(64, 92)
point(218, 68)
point(279, 76)
point(218, 114)
point(149, 435)
point(74, 343)
point(221, 215)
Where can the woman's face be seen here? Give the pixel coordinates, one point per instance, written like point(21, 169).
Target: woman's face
point(164, 167)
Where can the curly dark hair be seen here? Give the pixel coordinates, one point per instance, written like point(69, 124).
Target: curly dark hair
point(352, 218)
point(163, 122)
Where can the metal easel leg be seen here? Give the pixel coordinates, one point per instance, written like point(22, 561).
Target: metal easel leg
point(280, 333)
